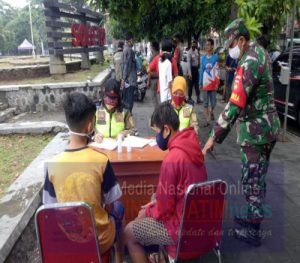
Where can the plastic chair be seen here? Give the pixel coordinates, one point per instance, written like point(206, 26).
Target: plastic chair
point(201, 223)
point(66, 232)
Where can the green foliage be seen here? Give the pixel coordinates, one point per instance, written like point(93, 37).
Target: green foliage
point(264, 17)
point(153, 19)
point(15, 26)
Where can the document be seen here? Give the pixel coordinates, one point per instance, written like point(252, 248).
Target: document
point(107, 144)
point(152, 142)
point(136, 142)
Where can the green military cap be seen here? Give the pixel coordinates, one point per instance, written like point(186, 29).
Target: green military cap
point(235, 28)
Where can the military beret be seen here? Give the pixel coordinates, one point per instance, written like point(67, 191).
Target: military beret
point(235, 28)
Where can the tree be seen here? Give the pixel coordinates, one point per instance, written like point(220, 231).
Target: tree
point(265, 17)
point(153, 19)
point(15, 27)
point(6, 14)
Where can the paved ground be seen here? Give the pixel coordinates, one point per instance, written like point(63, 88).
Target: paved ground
point(282, 229)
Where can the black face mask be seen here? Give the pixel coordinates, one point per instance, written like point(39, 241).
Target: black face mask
point(194, 48)
point(162, 142)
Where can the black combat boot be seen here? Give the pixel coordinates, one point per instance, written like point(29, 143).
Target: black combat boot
point(249, 234)
point(243, 221)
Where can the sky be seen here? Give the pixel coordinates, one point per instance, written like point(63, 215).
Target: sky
point(17, 3)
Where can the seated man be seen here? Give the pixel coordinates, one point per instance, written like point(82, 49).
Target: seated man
point(158, 222)
point(83, 174)
point(111, 120)
point(186, 113)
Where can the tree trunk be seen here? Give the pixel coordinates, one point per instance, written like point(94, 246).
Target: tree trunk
point(234, 10)
point(298, 19)
point(196, 36)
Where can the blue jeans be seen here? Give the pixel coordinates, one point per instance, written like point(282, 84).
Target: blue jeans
point(209, 99)
point(118, 215)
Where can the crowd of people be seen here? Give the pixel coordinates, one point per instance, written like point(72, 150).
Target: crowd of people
point(85, 174)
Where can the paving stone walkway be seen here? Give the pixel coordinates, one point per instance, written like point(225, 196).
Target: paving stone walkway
point(282, 227)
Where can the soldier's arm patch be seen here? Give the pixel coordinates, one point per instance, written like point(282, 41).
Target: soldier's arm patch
point(239, 96)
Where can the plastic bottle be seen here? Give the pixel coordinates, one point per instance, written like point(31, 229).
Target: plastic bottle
point(119, 143)
point(128, 143)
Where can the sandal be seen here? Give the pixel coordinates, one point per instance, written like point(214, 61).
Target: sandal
point(153, 258)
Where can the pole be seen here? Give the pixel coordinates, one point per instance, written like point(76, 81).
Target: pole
point(30, 19)
point(287, 93)
point(42, 47)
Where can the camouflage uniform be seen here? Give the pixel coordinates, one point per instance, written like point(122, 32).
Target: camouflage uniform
point(252, 106)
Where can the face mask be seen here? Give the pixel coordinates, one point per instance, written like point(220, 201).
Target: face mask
point(161, 141)
point(235, 52)
point(88, 135)
point(178, 100)
point(193, 47)
point(111, 101)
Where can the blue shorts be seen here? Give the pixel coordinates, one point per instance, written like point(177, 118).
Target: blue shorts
point(118, 214)
point(209, 98)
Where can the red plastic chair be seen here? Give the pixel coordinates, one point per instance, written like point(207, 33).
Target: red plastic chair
point(66, 233)
point(201, 223)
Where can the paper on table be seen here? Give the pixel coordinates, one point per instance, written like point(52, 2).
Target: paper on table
point(136, 142)
point(152, 142)
point(106, 144)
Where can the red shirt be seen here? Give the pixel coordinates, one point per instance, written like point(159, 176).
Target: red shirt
point(181, 167)
point(153, 67)
point(177, 54)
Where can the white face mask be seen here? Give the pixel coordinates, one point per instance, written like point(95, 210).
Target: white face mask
point(235, 52)
point(88, 135)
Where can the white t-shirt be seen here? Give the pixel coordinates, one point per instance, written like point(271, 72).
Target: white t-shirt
point(165, 77)
point(185, 68)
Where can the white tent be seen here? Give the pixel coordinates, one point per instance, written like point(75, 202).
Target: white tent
point(26, 45)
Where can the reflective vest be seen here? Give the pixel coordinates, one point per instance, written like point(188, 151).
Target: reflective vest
point(184, 114)
point(109, 124)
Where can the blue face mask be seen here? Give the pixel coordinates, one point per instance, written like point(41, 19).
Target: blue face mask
point(161, 141)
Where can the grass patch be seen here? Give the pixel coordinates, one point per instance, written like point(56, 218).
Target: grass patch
point(81, 75)
point(16, 153)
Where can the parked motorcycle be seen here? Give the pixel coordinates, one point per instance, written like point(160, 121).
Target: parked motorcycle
point(140, 90)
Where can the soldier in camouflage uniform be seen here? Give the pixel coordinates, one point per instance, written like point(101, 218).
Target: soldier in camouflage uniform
point(252, 106)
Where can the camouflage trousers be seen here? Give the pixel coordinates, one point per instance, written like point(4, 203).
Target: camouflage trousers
point(255, 163)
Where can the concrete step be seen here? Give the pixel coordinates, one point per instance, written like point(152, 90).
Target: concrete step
point(3, 106)
point(7, 114)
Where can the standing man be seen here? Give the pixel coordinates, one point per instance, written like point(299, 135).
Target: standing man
point(166, 51)
point(153, 75)
point(177, 52)
point(117, 60)
point(209, 80)
point(129, 74)
point(252, 106)
point(193, 60)
point(165, 69)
